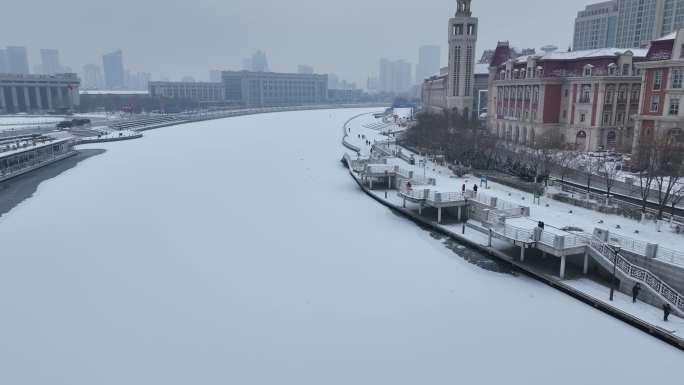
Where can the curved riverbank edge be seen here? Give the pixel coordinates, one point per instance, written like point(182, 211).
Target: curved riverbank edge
point(557, 284)
point(345, 134)
point(106, 140)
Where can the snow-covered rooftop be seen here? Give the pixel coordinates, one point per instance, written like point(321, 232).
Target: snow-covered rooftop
point(585, 54)
point(669, 36)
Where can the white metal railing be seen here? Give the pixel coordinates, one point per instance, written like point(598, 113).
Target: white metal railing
point(672, 256)
point(417, 194)
point(515, 233)
point(445, 197)
point(629, 244)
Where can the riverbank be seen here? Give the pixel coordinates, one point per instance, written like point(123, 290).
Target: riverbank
point(640, 315)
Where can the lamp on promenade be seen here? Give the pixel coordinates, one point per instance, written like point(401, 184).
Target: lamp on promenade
point(616, 251)
point(466, 214)
point(388, 182)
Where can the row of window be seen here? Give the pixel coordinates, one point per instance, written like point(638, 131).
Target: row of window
point(676, 79)
point(673, 109)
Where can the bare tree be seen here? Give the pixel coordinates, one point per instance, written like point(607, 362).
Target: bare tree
point(565, 160)
point(669, 161)
point(591, 167)
point(645, 161)
point(542, 154)
point(609, 170)
point(677, 196)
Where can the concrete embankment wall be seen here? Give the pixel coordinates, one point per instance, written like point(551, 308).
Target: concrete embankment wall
point(551, 281)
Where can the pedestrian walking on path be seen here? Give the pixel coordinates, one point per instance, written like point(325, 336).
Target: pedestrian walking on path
point(635, 291)
point(667, 309)
point(475, 188)
point(463, 189)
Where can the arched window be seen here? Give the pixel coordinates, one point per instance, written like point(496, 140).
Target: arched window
point(588, 69)
point(612, 69)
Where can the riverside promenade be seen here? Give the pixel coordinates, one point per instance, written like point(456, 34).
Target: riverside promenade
point(572, 253)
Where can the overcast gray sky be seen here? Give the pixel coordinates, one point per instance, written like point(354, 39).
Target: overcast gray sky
point(172, 38)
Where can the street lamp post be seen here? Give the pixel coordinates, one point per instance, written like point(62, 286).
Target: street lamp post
point(466, 215)
point(388, 182)
point(616, 252)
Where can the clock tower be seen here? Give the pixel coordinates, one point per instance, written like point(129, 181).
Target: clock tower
point(462, 40)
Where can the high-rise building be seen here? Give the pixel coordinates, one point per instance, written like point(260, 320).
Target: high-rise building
point(305, 69)
point(333, 81)
point(17, 60)
point(49, 59)
point(259, 62)
point(137, 80)
point(462, 41)
point(394, 76)
point(215, 76)
point(428, 62)
point(113, 70)
point(3, 62)
point(626, 23)
point(596, 26)
point(92, 77)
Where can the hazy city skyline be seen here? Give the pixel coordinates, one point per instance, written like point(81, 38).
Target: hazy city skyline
point(347, 38)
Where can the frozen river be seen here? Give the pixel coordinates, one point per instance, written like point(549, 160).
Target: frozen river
point(239, 251)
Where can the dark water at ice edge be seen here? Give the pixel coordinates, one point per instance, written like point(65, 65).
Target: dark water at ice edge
point(469, 253)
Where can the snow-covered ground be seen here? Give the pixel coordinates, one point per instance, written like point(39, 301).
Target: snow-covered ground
point(240, 251)
point(13, 122)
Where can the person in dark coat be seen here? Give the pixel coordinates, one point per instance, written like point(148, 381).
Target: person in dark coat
point(667, 309)
point(463, 188)
point(475, 188)
point(635, 291)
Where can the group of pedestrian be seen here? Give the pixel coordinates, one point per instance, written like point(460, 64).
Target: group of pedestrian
point(667, 309)
point(463, 189)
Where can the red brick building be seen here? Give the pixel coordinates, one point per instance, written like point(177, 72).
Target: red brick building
point(660, 112)
point(588, 97)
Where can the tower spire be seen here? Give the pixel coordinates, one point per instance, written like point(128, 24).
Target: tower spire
point(463, 8)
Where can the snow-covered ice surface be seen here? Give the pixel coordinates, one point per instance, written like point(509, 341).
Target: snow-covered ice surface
point(239, 251)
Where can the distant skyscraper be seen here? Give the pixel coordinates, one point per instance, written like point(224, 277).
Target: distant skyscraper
point(247, 64)
point(215, 76)
point(137, 80)
point(17, 60)
point(92, 77)
point(596, 26)
point(259, 62)
point(333, 82)
point(3, 62)
point(305, 69)
point(626, 23)
point(49, 59)
point(395, 76)
point(113, 70)
point(428, 62)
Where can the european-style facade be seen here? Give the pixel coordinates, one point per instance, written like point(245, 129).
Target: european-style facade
point(661, 111)
point(587, 98)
